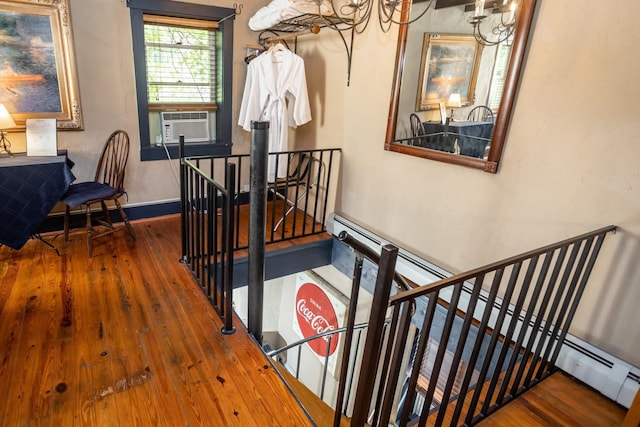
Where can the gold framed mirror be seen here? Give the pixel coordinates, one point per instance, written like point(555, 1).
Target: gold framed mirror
point(448, 18)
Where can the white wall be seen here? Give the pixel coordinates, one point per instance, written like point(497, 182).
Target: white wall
point(569, 165)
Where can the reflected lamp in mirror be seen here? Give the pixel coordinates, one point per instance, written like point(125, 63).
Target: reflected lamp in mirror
point(454, 102)
point(6, 122)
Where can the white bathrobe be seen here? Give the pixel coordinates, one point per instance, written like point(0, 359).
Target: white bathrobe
point(276, 91)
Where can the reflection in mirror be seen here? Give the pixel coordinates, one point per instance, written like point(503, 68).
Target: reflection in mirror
point(458, 79)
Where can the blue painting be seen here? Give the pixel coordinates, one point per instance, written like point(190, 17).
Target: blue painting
point(28, 73)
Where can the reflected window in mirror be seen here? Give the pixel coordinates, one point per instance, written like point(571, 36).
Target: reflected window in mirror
point(455, 135)
point(499, 73)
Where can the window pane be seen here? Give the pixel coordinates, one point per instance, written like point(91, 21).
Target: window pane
point(180, 64)
point(499, 75)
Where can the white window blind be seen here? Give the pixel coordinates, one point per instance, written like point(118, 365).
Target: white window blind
point(180, 62)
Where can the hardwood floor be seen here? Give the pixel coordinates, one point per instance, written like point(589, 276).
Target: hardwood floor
point(559, 400)
point(126, 338)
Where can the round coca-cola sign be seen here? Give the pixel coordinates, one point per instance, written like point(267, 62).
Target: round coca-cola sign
point(315, 315)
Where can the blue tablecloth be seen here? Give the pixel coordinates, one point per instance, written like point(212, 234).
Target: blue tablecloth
point(29, 188)
point(472, 137)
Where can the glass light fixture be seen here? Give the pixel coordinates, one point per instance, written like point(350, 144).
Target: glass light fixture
point(489, 29)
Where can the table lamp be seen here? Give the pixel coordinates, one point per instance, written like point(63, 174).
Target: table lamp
point(454, 102)
point(6, 122)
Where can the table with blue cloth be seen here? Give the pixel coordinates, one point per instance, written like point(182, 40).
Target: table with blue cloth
point(30, 186)
point(472, 137)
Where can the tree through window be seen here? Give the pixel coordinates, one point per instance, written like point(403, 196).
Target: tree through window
point(183, 57)
point(180, 62)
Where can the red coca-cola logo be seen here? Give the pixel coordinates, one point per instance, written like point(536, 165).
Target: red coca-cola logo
point(316, 315)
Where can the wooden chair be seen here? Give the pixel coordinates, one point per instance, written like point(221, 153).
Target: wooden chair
point(108, 185)
point(417, 130)
point(481, 113)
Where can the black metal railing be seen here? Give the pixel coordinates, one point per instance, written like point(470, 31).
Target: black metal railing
point(292, 357)
point(207, 218)
point(454, 351)
point(462, 347)
point(355, 340)
point(298, 200)
point(215, 216)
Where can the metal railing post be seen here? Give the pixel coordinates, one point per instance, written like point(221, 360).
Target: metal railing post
point(371, 354)
point(257, 225)
point(228, 236)
point(183, 196)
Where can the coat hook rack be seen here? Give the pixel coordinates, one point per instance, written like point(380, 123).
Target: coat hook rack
point(314, 29)
point(305, 24)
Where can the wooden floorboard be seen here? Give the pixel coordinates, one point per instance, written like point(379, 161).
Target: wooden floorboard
point(559, 400)
point(125, 338)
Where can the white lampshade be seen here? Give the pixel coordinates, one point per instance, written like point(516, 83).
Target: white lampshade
point(454, 101)
point(6, 122)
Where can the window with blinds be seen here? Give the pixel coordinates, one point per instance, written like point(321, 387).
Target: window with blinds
point(181, 64)
point(499, 74)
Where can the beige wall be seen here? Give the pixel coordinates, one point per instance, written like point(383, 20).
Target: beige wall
point(570, 164)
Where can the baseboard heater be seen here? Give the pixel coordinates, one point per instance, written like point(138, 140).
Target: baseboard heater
point(613, 377)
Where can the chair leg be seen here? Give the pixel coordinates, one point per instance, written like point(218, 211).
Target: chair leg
point(89, 233)
point(285, 209)
point(66, 224)
point(292, 205)
point(125, 219)
point(107, 216)
point(287, 212)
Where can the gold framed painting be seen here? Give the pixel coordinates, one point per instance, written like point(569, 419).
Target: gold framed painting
point(449, 65)
point(38, 76)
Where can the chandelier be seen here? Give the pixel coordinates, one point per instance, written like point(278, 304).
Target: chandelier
point(355, 14)
point(488, 30)
point(502, 26)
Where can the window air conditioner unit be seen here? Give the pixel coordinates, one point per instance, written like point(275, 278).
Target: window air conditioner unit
point(194, 125)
